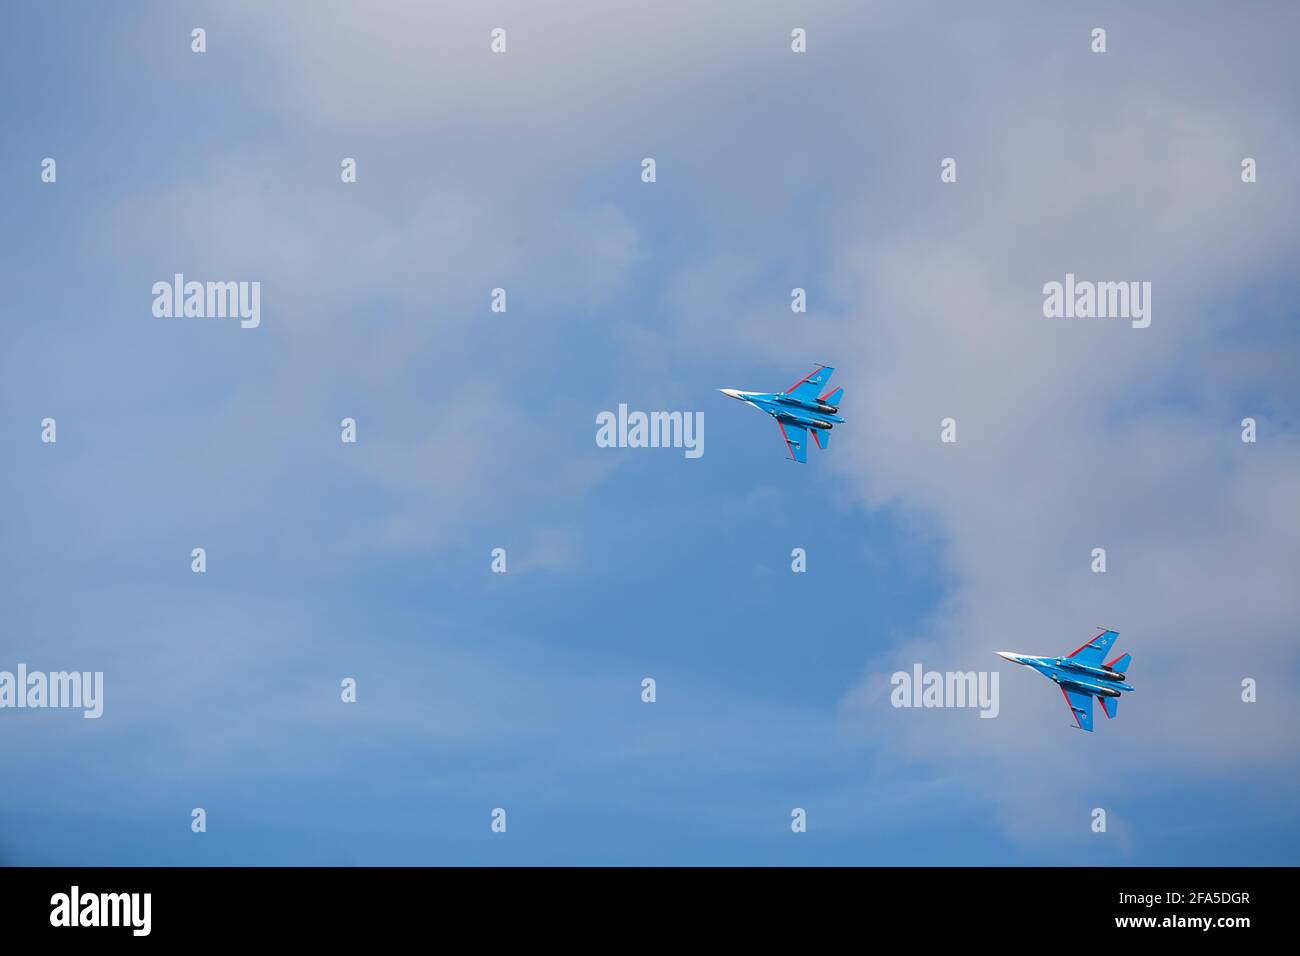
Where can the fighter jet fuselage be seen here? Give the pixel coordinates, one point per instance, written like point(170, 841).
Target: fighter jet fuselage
point(792, 411)
point(1062, 670)
point(1101, 673)
point(804, 405)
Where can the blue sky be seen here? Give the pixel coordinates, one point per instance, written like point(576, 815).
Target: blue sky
point(477, 430)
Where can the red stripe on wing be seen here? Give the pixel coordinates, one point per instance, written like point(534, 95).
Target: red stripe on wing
point(781, 425)
point(1085, 645)
point(1073, 712)
point(804, 379)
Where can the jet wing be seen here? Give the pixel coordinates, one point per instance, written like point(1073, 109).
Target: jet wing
point(810, 386)
point(1091, 654)
point(796, 439)
point(1080, 706)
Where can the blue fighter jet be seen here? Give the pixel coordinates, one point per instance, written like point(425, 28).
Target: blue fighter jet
point(798, 411)
point(1082, 676)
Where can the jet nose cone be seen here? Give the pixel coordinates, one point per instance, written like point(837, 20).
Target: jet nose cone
point(1013, 658)
point(730, 391)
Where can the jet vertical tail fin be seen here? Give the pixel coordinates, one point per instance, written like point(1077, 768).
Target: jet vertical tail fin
point(1121, 663)
point(833, 398)
point(1110, 705)
point(822, 436)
